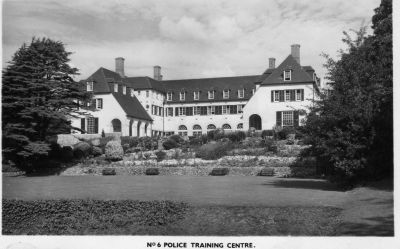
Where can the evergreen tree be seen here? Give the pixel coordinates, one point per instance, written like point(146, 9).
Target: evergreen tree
point(39, 97)
point(351, 127)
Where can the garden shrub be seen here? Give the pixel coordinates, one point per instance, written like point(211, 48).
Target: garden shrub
point(219, 171)
point(108, 172)
point(236, 136)
point(148, 143)
point(170, 144)
point(284, 132)
point(304, 167)
point(195, 141)
point(97, 151)
point(114, 151)
point(66, 154)
point(125, 147)
point(267, 172)
point(160, 155)
point(82, 150)
point(253, 142)
point(176, 138)
point(152, 171)
point(267, 133)
point(131, 141)
point(212, 151)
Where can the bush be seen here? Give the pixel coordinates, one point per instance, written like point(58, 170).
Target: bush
point(253, 142)
point(219, 171)
point(170, 144)
point(236, 136)
point(103, 142)
point(267, 133)
point(212, 151)
point(114, 151)
point(148, 143)
point(269, 144)
point(195, 141)
point(176, 138)
point(97, 151)
point(160, 155)
point(131, 141)
point(284, 132)
point(304, 167)
point(108, 172)
point(215, 134)
point(152, 171)
point(81, 150)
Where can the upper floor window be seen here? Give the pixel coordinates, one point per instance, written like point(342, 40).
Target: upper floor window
point(182, 111)
point(169, 96)
point(115, 87)
point(276, 96)
point(287, 75)
point(298, 94)
point(287, 95)
point(124, 90)
point(240, 108)
point(89, 86)
point(225, 94)
point(147, 93)
point(99, 103)
point(170, 111)
point(196, 95)
point(182, 96)
point(211, 94)
point(241, 93)
point(132, 92)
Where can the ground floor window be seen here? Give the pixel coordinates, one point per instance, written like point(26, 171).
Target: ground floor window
point(287, 118)
point(92, 125)
point(197, 133)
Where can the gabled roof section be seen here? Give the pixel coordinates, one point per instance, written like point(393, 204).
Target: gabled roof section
point(264, 75)
point(132, 106)
point(142, 83)
point(299, 74)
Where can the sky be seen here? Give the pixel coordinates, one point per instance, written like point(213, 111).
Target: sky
point(187, 38)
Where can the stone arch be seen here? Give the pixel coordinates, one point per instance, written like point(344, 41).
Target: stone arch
point(226, 127)
point(255, 122)
point(211, 127)
point(196, 127)
point(239, 126)
point(116, 125)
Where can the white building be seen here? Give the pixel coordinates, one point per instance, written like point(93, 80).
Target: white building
point(151, 106)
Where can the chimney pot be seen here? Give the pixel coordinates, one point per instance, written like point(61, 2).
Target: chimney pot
point(157, 73)
point(119, 66)
point(296, 52)
point(271, 63)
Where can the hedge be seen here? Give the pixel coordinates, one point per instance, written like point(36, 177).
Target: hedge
point(79, 217)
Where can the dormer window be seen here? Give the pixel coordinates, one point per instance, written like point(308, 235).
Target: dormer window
point(225, 94)
point(210, 94)
point(169, 96)
point(182, 96)
point(89, 86)
point(287, 75)
point(132, 92)
point(241, 93)
point(115, 87)
point(124, 90)
point(196, 95)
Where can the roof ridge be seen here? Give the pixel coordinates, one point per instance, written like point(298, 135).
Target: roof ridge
point(213, 78)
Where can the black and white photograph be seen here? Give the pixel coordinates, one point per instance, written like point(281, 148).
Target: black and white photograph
point(198, 123)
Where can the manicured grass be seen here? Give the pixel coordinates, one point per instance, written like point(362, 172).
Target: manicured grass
point(89, 217)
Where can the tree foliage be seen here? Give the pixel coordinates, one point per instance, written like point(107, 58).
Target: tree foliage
point(350, 127)
point(39, 97)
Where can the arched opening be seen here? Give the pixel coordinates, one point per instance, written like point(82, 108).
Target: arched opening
point(240, 126)
point(130, 127)
point(211, 127)
point(197, 130)
point(255, 122)
point(226, 127)
point(182, 130)
point(116, 124)
point(138, 128)
point(145, 128)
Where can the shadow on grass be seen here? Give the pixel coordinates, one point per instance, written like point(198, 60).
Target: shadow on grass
point(384, 226)
point(305, 184)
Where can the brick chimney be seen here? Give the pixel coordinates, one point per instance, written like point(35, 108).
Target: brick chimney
point(119, 66)
point(296, 52)
point(157, 73)
point(271, 63)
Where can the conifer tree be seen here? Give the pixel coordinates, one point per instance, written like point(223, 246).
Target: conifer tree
point(39, 96)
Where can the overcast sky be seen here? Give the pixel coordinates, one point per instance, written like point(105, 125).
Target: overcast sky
point(188, 39)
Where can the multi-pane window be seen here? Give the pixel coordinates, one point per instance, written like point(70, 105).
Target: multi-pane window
point(225, 94)
point(224, 109)
point(182, 111)
point(210, 110)
point(182, 96)
point(197, 110)
point(241, 93)
point(182, 130)
point(276, 96)
point(132, 92)
point(240, 126)
point(298, 94)
point(169, 96)
point(170, 111)
point(197, 130)
point(210, 94)
point(124, 90)
point(287, 95)
point(287, 75)
point(90, 125)
point(196, 95)
point(115, 88)
point(240, 108)
point(226, 127)
point(99, 103)
point(211, 127)
point(89, 86)
point(287, 118)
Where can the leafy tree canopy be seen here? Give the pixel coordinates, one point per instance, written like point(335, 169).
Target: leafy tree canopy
point(39, 97)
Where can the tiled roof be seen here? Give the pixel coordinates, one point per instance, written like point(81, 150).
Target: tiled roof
point(131, 106)
point(233, 84)
point(264, 76)
point(299, 73)
point(142, 83)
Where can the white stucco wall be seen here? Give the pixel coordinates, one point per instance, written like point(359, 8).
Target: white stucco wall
point(260, 103)
point(155, 98)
